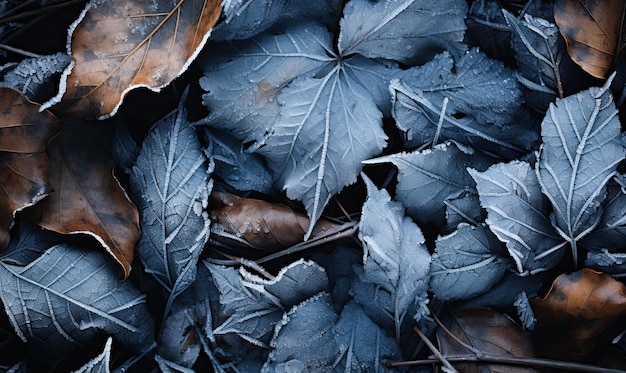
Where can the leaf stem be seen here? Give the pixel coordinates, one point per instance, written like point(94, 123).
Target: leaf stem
point(434, 350)
point(486, 358)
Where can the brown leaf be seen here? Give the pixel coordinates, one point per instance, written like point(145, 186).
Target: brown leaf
point(491, 333)
point(24, 166)
point(581, 305)
point(593, 31)
point(87, 198)
point(265, 226)
point(123, 44)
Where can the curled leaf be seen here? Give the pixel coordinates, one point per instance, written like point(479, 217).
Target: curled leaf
point(24, 166)
point(593, 31)
point(263, 225)
point(121, 45)
point(581, 306)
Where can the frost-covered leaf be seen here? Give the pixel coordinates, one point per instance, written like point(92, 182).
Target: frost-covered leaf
point(327, 126)
point(243, 19)
point(179, 341)
point(403, 30)
point(254, 305)
point(304, 339)
point(30, 243)
point(580, 153)
point(525, 311)
point(610, 233)
point(463, 208)
point(139, 44)
point(35, 77)
point(68, 296)
point(171, 182)
point(473, 101)
point(364, 345)
point(465, 264)
point(427, 178)
point(396, 262)
point(257, 69)
point(311, 337)
point(168, 366)
point(518, 215)
point(535, 43)
point(607, 261)
point(238, 168)
point(100, 363)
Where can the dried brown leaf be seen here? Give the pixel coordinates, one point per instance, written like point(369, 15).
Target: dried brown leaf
point(581, 305)
point(593, 31)
point(24, 176)
point(265, 226)
point(489, 332)
point(121, 45)
point(87, 198)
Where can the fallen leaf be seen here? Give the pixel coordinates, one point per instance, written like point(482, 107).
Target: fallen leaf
point(24, 166)
point(121, 45)
point(266, 226)
point(488, 331)
point(593, 31)
point(87, 198)
point(581, 306)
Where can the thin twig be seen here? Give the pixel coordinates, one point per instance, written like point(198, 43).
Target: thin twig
point(434, 350)
point(347, 230)
point(39, 11)
point(22, 52)
point(507, 360)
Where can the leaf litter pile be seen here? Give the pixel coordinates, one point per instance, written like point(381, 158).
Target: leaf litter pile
point(285, 186)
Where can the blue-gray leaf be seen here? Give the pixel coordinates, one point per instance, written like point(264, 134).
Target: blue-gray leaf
point(32, 241)
point(254, 305)
point(238, 168)
point(610, 233)
point(427, 178)
point(402, 30)
point(100, 363)
point(243, 78)
point(464, 264)
point(518, 215)
point(327, 126)
point(171, 181)
point(304, 339)
point(395, 259)
point(472, 101)
point(35, 77)
point(535, 43)
point(69, 295)
point(580, 152)
point(364, 345)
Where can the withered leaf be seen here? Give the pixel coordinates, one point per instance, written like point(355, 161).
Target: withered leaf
point(86, 197)
point(121, 45)
point(265, 226)
point(593, 31)
point(488, 331)
point(581, 305)
point(24, 166)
